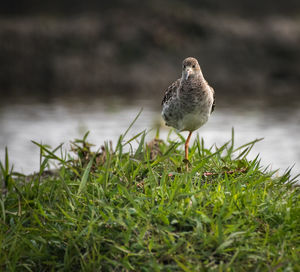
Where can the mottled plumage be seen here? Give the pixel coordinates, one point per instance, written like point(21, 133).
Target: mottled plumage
point(188, 101)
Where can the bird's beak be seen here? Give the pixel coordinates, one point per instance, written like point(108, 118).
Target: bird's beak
point(188, 73)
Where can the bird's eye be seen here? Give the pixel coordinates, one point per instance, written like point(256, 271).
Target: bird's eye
point(183, 66)
point(194, 66)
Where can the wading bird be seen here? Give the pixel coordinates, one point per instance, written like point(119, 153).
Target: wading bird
point(188, 101)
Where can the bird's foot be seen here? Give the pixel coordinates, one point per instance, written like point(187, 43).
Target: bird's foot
point(187, 164)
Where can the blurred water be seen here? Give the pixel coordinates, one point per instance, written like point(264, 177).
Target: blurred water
point(57, 123)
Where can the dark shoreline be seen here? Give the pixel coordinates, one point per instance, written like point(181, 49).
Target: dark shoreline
point(131, 51)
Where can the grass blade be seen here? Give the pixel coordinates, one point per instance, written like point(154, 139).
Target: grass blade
point(85, 176)
point(132, 123)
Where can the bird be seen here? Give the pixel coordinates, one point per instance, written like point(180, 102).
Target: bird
point(189, 101)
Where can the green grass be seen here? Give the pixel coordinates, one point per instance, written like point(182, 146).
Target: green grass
point(141, 210)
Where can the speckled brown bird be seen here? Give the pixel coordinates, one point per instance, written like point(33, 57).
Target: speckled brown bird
point(188, 101)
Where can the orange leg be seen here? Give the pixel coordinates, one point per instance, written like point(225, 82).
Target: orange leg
point(186, 146)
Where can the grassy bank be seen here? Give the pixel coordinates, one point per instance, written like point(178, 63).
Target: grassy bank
point(141, 210)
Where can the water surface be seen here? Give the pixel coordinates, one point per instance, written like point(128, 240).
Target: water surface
point(57, 123)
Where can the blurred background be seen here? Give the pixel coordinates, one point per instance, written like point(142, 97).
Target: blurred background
point(71, 66)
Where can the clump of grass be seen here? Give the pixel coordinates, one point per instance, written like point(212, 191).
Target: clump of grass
point(140, 210)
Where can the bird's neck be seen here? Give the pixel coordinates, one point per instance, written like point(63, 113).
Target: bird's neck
point(190, 85)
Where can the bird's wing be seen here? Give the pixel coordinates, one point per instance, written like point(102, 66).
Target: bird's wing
point(214, 100)
point(171, 91)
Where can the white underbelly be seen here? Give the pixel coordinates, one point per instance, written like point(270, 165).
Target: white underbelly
point(193, 121)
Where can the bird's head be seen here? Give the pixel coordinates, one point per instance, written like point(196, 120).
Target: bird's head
point(190, 68)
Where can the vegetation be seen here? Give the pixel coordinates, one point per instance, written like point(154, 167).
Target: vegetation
point(142, 210)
